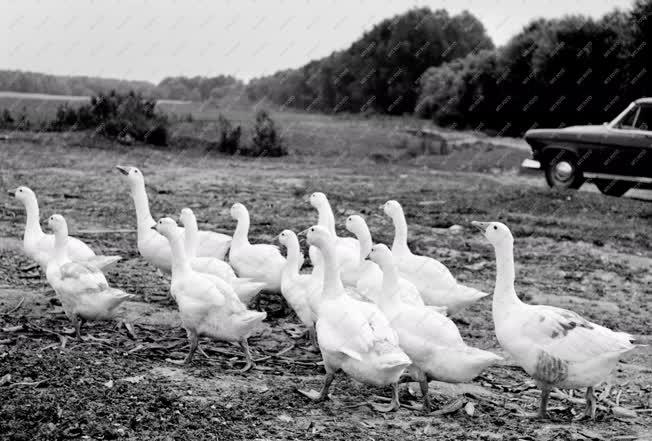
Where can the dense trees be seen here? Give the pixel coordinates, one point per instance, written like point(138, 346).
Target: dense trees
point(554, 73)
point(380, 71)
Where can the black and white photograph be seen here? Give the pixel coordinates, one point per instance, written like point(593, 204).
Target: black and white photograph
point(334, 220)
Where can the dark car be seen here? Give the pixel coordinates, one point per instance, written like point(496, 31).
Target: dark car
point(615, 156)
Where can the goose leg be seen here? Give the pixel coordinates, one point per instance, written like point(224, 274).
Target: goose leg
point(194, 343)
point(77, 323)
point(312, 333)
point(244, 344)
point(393, 406)
point(423, 383)
point(321, 395)
point(590, 403)
point(543, 405)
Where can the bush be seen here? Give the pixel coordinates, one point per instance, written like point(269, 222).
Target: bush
point(117, 117)
point(266, 139)
point(229, 141)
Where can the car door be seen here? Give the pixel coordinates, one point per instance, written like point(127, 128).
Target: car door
point(631, 142)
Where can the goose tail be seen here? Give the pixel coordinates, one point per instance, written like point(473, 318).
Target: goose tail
point(246, 289)
point(101, 262)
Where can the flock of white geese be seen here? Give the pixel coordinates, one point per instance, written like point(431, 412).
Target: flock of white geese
point(376, 313)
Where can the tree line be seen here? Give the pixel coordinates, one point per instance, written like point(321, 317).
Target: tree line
point(178, 88)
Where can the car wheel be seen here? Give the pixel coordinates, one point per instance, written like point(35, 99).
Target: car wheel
point(562, 171)
point(613, 187)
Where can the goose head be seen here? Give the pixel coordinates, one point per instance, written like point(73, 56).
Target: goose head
point(167, 227)
point(318, 200)
point(356, 224)
point(133, 175)
point(23, 194)
point(287, 236)
point(187, 217)
point(496, 233)
point(57, 224)
point(319, 237)
point(392, 209)
point(238, 211)
point(381, 255)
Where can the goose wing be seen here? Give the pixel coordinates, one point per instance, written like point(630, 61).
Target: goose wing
point(81, 277)
point(345, 328)
point(566, 335)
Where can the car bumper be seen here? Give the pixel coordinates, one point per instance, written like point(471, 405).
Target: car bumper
point(530, 166)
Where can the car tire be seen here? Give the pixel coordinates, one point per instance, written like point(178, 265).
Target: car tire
point(562, 171)
point(613, 187)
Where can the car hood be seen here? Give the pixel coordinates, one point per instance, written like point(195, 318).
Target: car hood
point(571, 133)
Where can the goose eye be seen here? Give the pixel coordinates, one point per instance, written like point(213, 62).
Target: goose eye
point(495, 227)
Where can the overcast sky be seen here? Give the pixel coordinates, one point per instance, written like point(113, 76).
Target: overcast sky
point(152, 39)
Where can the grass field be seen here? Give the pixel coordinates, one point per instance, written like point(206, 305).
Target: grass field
point(578, 250)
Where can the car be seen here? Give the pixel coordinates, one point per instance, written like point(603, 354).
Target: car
point(615, 156)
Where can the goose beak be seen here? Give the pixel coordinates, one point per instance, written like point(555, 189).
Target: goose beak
point(12, 192)
point(153, 227)
point(303, 233)
point(482, 226)
point(123, 170)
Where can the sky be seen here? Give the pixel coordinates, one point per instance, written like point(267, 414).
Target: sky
point(153, 39)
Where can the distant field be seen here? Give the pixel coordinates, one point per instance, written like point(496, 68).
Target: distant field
point(379, 138)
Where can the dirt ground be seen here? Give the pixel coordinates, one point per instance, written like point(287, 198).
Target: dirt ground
point(578, 250)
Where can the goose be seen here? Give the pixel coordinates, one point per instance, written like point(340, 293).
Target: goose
point(244, 288)
point(151, 245)
point(347, 248)
point(370, 277)
point(259, 262)
point(301, 291)
point(555, 346)
point(354, 337)
point(39, 246)
point(206, 309)
point(434, 281)
point(82, 288)
point(430, 339)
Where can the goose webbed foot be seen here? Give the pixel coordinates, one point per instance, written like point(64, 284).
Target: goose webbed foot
point(194, 344)
point(543, 407)
point(249, 363)
point(591, 404)
point(393, 405)
point(322, 395)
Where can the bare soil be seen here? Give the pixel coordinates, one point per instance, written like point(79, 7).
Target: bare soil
point(578, 250)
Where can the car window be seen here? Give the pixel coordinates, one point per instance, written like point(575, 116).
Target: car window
point(644, 119)
point(627, 121)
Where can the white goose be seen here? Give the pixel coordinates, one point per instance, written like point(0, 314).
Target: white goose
point(353, 336)
point(82, 288)
point(557, 347)
point(347, 248)
point(151, 245)
point(301, 291)
point(370, 277)
point(260, 262)
point(205, 308)
point(244, 288)
point(39, 246)
point(434, 281)
point(431, 340)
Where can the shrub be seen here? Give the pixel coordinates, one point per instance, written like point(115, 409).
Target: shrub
point(266, 140)
point(117, 117)
point(229, 140)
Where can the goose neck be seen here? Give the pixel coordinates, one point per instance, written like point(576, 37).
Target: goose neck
point(191, 236)
point(241, 234)
point(143, 215)
point(32, 223)
point(504, 293)
point(180, 262)
point(364, 238)
point(400, 233)
point(326, 218)
point(332, 282)
point(61, 244)
point(292, 259)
